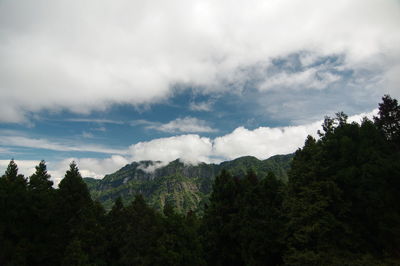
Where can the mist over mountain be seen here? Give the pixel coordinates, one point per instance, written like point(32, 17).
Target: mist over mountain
point(185, 186)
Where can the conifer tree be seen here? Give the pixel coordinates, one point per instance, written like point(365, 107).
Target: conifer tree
point(116, 225)
point(40, 180)
point(144, 228)
point(12, 176)
point(179, 244)
point(221, 224)
point(74, 209)
point(41, 211)
point(389, 119)
point(14, 216)
point(74, 255)
point(262, 222)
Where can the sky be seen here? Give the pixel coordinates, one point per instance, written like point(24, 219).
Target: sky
point(105, 83)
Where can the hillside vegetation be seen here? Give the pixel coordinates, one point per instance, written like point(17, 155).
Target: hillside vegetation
point(186, 187)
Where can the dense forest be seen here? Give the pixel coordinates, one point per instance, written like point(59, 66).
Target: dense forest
point(340, 206)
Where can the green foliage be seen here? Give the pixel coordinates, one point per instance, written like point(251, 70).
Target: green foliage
point(244, 223)
point(14, 210)
point(388, 120)
point(342, 205)
point(40, 179)
point(74, 255)
point(188, 187)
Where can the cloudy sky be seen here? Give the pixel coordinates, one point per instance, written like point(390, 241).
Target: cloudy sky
point(109, 82)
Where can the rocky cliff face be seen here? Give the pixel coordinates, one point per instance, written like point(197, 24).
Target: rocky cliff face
point(186, 186)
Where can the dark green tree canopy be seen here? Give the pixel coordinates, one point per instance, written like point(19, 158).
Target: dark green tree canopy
point(40, 179)
point(389, 119)
point(11, 171)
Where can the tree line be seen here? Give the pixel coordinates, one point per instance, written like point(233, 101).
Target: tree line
point(339, 207)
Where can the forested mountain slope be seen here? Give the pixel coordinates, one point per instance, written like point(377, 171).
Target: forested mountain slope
point(183, 185)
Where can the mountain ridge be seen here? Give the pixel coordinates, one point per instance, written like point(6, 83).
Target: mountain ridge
point(184, 185)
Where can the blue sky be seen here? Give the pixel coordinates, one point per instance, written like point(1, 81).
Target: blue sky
point(108, 83)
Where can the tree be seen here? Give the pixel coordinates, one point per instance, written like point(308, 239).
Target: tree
point(74, 212)
point(40, 180)
point(74, 255)
point(262, 221)
point(143, 230)
point(14, 216)
point(221, 228)
point(313, 225)
point(116, 224)
point(41, 197)
point(388, 120)
point(341, 205)
point(12, 176)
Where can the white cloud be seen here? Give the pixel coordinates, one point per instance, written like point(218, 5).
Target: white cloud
point(143, 122)
point(180, 125)
point(359, 117)
point(38, 143)
point(184, 125)
point(88, 167)
point(84, 57)
point(190, 148)
point(150, 168)
point(263, 142)
point(309, 78)
point(97, 121)
point(25, 167)
point(201, 106)
point(87, 135)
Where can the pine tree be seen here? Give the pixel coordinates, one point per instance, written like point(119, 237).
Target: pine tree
point(144, 228)
point(179, 243)
point(40, 180)
point(312, 206)
point(41, 208)
point(262, 222)
point(14, 216)
point(74, 255)
point(221, 224)
point(116, 226)
point(74, 209)
point(12, 176)
point(389, 119)
point(341, 205)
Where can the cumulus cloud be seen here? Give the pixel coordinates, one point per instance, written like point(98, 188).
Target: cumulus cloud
point(190, 148)
point(58, 55)
point(263, 142)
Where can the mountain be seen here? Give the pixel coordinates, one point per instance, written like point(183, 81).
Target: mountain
point(186, 186)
